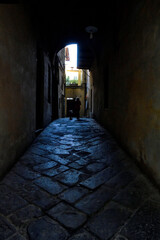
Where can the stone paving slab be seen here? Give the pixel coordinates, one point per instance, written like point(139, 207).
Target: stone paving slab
point(44, 166)
point(71, 195)
point(75, 183)
point(99, 178)
point(6, 230)
point(134, 194)
point(94, 201)
point(55, 171)
point(107, 222)
point(49, 185)
point(83, 235)
point(24, 215)
point(122, 179)
point(145, 224)
point(70, 177)
point(32, 160)
point(9, 201)
point(17, 237)
point(46, 229)
point(58, 159)
point(25, 172)
point(68, 216)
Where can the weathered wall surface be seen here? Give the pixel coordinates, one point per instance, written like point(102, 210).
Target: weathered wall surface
point(17, 84)
point(47, 104)
point(61, 86)
point(133, 112)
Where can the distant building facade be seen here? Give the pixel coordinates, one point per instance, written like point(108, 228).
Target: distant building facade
point(79, 87)
point(77, 84)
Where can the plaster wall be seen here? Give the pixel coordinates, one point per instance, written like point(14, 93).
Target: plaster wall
point(17, 84)
point(133, 59)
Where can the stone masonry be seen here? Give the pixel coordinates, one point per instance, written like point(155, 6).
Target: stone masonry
point(76, 183)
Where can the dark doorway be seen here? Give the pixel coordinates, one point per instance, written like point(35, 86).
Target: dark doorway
point(70, 106)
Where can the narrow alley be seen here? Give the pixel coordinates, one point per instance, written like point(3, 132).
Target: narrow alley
point(76, 183)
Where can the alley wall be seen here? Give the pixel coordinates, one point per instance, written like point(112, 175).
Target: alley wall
point(132, 58)
point(17, 84)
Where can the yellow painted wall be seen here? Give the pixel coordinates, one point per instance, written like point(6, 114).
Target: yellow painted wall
point(133, 114)
point(79, 71)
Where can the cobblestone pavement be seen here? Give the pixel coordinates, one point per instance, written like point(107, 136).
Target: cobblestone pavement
point(75, 183)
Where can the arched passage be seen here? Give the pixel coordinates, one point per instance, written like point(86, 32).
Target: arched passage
point(111, 192)
point(122, 54)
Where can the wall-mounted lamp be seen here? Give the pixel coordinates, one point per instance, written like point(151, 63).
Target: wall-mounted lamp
point(91, 30)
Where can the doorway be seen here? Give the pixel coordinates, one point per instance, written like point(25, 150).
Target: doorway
point(70, 106)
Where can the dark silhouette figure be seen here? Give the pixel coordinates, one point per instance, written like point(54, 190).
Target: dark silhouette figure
point(77, 107)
